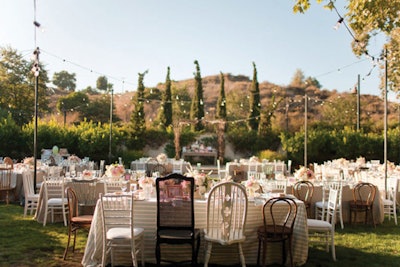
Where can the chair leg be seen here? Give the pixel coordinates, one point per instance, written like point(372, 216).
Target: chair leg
point(258, 252)
point(142, 250)
point(69, 239)
point(241, 255)
point(341, 217)
point(158, 253)
point(207, 254)
point(333, 245)
point(290, 252)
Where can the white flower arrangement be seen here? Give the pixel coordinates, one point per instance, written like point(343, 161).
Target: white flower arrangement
point(146, 181)
point(202, 180)
point(162, 158)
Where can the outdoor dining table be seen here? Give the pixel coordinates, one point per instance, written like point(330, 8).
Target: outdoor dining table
point(347, 196)
point(145, 217)
point(40, 211)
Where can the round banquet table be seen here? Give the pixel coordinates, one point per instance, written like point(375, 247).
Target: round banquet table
point(145, 217)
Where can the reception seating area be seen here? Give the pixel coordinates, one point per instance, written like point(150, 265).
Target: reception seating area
point(89, 185)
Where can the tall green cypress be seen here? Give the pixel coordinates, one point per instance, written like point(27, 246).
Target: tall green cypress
point(254, 103)
point(165, 113)
point(221, 102)
point(137, 118)
point(197, 107)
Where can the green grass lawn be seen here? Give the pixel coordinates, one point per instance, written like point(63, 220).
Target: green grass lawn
point(24, 242)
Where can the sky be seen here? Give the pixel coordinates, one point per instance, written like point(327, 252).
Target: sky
point(122, 38)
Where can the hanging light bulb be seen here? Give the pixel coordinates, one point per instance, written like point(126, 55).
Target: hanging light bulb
point(337, 25)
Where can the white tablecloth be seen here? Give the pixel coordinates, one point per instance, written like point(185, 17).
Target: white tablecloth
point(145, 216)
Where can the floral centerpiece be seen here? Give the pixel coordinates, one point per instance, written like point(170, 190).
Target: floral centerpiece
point(115, 170)
point(87, 174)
point(202, 180)
point(360, 162)
point(29, 161)
point(74, 159)
point(147, 184)
point(252, 186)
point(146, 181)
point(304, 174)
point(162, 158)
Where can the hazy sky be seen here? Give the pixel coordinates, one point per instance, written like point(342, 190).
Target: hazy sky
point(122, 38)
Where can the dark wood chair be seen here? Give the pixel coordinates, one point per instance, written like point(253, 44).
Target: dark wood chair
point(363, 201)
point(175, 216)
point(304, 191)
point(279, 215)
point(75, 221)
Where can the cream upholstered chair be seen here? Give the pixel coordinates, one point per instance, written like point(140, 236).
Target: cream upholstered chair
point(119, 230)
point(226, 218)
point(324, 230)
point(54, 200)
point(321, 206)
point(389, 201)
point(31, 198)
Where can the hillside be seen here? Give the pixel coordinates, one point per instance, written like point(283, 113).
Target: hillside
point(290, 100)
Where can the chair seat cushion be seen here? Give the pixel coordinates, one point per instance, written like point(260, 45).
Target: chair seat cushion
point(216, 235)
point(321, 204)
point(387, 202)
point(83, 219)
point(56, 201)
point(122, 232)
point(318, 225)
point(177, 234)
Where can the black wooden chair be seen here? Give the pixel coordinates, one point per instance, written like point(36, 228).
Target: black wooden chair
point(175, 216)
point(279, 215)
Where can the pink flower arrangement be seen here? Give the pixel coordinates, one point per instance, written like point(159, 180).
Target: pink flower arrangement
point(115, 170)
point(304, 174)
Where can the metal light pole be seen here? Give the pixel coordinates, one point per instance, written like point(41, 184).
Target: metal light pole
point(111, 119)
point(305, 129)
point(35, 71)
point(358, 102)
point(385, 119)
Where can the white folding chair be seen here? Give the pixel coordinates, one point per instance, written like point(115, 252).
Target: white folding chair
point(324, 230)
point(221, 172)
point(31, 198)
point(321, 206)
point(389, 201)
point(54, 200)
point(119, 230)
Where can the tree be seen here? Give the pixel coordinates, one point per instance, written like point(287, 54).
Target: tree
point(17, 84)
point(73, 102)
point(221, 102)
point(297, 79)
point(197, 107)
point(137, 118)
point(64, 80)
point(102, 83)
point(165, 113)
point(367, 19)
point(254, 102)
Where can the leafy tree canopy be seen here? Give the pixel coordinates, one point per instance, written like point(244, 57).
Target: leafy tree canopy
point(366, 19)
point(65, 80)
point(102, 83)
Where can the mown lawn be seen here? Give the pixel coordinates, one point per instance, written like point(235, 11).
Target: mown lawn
point(24, 242)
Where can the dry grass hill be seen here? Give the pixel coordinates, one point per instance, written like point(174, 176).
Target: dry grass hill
point(289, 98)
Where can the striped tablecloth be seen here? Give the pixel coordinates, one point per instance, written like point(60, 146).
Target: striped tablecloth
point(145, 216)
